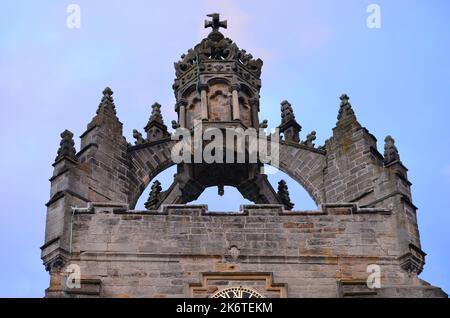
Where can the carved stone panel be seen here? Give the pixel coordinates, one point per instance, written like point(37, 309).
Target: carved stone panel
point(245, 111)
point(212, 283)
point(193, 111)
point(219, 103)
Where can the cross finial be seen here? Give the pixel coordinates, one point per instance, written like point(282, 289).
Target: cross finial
point(215, 24)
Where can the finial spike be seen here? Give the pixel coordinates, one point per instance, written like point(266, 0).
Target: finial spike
point(108, 91)
point(155, 127)
point(344, 99)
point(107, 102)
point(289, 126)
point(156, 113)
point(345, 109)
point(287, 113)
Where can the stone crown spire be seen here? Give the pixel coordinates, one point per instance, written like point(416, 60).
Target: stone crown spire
point(390, 151)
point(66, 146)
point(217, 47)
point(107, 102)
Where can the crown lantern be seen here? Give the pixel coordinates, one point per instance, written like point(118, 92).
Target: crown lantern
point(217, 82)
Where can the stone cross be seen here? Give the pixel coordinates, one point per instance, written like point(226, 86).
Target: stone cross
point(215, 24)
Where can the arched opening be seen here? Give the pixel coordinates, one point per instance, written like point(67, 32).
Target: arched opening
point(166, 179)
point(301, 169)
point(299, 196)
point(232, 199)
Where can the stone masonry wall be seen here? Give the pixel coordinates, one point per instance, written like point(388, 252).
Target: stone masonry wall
point(185, 251)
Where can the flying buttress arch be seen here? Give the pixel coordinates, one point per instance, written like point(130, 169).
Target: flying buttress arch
point(303, 164)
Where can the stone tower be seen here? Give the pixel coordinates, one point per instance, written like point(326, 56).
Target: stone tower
point(362, 241)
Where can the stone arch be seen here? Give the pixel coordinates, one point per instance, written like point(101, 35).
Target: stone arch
point(247, 90)
point(218, 80)
point(306, 166)
point(188, 90)
point(303, 164)
point(146, 162)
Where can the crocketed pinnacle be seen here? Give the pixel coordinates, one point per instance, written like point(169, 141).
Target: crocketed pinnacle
point(154, 198)
point(107, 102)
point(287, 113)
point(390, 150)
point(66, 146)
point(345, 110)
point(283, 194)
point(156, 114)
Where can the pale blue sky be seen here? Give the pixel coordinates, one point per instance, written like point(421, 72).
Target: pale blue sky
point(51, 78)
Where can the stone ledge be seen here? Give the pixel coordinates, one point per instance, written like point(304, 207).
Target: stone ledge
point(50, 242)
point(89, 130)
point(93, 207)
point(404, 197)
point(89, 287)
point(355, 288)
point(88, 146)
point(60, 173)
point(245, 210)
point(61, 194)
point(110, 256)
